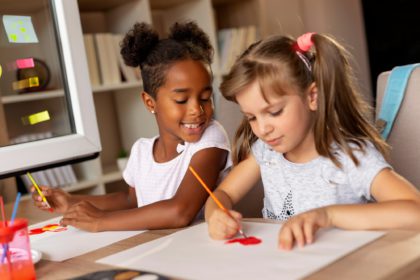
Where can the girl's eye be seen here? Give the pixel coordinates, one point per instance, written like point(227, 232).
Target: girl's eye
point(181, 101)
point(276, 113)
point(206, 97)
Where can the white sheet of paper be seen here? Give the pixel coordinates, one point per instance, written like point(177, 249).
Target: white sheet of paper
point(60, 246)
point(191, 254)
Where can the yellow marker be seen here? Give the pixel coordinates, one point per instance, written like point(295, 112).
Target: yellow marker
point(36, 118)
point(38, 189)
point(1, 71)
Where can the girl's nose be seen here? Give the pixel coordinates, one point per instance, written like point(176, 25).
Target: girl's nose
point(264, 127)
point(196, 109)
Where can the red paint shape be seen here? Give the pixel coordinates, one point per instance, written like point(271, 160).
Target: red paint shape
point(50, 228)
point(35, 231)
point(251, 240)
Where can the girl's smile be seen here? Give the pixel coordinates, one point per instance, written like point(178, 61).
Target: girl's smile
point(194, 128)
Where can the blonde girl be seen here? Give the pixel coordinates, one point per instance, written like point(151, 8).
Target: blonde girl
point(307, 135)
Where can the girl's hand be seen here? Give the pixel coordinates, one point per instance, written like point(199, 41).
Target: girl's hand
point(58, 199)
point(223, 226)
point(83, 215)
point(301, 229)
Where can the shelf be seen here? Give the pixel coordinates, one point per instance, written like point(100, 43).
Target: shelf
point(99, 5)
point(32, 96)
point(59, 93)
point(111, 174)
point(74, 187)
point(165, 4)
point(125, 85)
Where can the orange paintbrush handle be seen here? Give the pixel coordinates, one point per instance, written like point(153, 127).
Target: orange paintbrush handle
point(207, 189)
point(213, 196)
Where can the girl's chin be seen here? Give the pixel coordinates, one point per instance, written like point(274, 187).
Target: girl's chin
point(192, 137)
point(279, 149)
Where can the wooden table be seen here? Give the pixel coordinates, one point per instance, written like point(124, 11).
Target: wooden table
point(396, 255)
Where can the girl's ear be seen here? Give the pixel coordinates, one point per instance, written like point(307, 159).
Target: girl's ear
point(148, 101)
point(313, 97)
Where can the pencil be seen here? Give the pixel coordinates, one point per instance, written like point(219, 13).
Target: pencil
point(212, 195)
point(38, 189)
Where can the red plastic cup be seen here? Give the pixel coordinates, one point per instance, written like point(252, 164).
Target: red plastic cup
point(17, 263)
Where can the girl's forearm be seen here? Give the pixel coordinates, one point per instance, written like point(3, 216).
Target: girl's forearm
point(211, 205)
point(108, 202)
point(163, 214)
point(400, 214)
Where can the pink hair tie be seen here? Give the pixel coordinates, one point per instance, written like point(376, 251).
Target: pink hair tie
point(304, 42)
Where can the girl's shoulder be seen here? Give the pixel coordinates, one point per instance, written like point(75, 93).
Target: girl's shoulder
point(366, 154)
point(215, 132)
point(214, 136)
point(142, 144)
point(259, 147)
point(263, 153)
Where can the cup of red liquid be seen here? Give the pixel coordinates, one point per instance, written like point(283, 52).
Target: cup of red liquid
point(15, 252)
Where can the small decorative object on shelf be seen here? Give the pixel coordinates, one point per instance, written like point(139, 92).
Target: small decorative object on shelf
point(32, 79)
point(122, 159)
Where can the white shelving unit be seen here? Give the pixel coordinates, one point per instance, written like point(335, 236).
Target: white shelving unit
point(121, 115)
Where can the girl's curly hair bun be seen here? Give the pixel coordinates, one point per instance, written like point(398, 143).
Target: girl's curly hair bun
point(138, 43)
point(191, 34)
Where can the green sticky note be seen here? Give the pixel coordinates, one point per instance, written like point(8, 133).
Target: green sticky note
point(19, 29)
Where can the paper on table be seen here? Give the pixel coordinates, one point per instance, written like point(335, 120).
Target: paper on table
point(59, 246)
point(191, 254)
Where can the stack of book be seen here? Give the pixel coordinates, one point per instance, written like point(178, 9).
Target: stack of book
point(53, 177)
point(232, 42)
point(106, 65)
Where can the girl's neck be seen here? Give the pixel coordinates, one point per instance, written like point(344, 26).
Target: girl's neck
point(301, 157)
point(164, 150)
point(304, 152)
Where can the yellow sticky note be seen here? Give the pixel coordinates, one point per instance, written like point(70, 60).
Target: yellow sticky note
point(36, 118)
point(33, 82)
point(26, 83)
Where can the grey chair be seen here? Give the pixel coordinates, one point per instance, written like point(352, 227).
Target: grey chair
point(404, 137)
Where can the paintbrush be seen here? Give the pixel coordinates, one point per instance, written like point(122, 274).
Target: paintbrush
point(44, 199)
point(214, 197)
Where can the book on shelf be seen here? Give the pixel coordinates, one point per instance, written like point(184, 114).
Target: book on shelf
point(105, 63)
point(129, 73)
point(92, 59)
point(52, 180)
point(108, 62)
